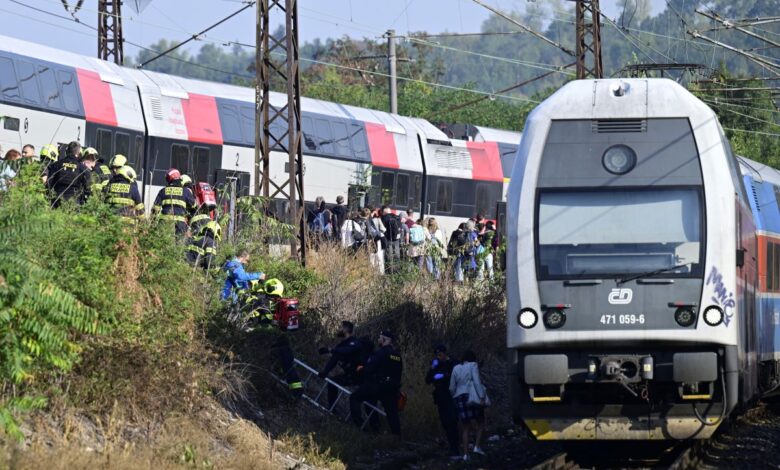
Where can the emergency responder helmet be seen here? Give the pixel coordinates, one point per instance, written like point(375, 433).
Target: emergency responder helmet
point(127, 172)
point(274, 287)
point(89, 151)
point(118, 161)
point(255, 286)
point(49, 152)
point(215, 228)
point(186, 180)
point(172, 175)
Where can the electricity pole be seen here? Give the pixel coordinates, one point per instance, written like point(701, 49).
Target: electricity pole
point(110, 39)
point(277, 58)
point(392, 74)
point(588, 39)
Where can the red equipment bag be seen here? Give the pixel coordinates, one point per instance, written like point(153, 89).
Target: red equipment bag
point(205, 195)
point(287, 315)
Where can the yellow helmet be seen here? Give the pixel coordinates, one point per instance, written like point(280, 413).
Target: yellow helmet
point(274, 287)
point(127, 172)
point(89, 151)
point(186, 180)
point(255, 286)
point(118, 161)
point(49, 152)
point(214, 227)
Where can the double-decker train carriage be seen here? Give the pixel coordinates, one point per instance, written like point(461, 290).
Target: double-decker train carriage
point(206, 130)
point(643, 264)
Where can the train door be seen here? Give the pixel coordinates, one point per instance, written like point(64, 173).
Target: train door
point(747, 273)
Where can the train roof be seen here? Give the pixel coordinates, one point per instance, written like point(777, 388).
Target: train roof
point(759, 171)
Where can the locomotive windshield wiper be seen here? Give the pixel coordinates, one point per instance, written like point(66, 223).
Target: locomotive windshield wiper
point(652, 273)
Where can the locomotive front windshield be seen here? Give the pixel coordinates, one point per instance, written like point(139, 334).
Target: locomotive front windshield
point(594, 234)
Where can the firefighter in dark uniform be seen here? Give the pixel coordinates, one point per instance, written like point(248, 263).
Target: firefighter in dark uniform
point(202, 248)
point(49, 154)
point(174, 202)
point(116, 163)
point(348, 354)
point(382, 383)
point(121, 192)
point(68, 178)
point(100, 172)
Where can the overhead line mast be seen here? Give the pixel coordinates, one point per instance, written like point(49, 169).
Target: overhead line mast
point(110, 38)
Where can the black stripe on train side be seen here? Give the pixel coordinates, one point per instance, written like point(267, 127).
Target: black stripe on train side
point(399, 189)
point(462, 197)
point(198, 160)
point(109, 141)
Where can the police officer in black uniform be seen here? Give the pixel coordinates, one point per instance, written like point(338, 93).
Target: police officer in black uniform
point(68, 178)
point(382, 383)
point(175, 202)
point(348, 354)
point(439, 375)
point(121, 192)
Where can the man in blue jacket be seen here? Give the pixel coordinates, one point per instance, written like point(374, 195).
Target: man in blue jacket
point(237, 277)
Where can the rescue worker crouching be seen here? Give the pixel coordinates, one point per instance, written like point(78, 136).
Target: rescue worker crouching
point(122, 194)
point(174, 202)
point(202, 248)
point(68, 178)
point(237, 277)
point(382, 383)
point(351, 354)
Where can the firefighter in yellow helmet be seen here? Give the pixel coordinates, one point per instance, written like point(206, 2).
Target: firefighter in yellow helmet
point(49, 154)
point(99, 174)
point(117, 162)
point(121, 192)
point(202, 247)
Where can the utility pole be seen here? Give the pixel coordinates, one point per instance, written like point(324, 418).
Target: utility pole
point(277, 58)
point(588, 39)
point(110, 38)
point(391, 66)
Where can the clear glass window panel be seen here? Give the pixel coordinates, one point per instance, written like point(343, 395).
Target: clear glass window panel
point(138, 155)
point(121, 144)
point(358, 139)
point(49, 88)
point(70, 94)
point(402, 190)
point(324, 136)
point(200, 161)
point(444, 196)
point(386, 187)
point(309, 137)
point(248, 123)
point(341, 139)
point(8, 85)
point(28, 81)
point(104, 144)
point(231, 124)
point(416, 192)
point(619, 232)
point(180, 158)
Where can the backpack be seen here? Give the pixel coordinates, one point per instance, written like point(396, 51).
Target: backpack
point(416, 235)
point(319, 224)
point(393, 225)
point(458, 240)
point(358, 237)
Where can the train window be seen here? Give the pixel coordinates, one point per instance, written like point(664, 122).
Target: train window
point(341, 139)
point(386, 187)
point(104, 144)
point(25, 74)
point(180, 158)
point(200, 163)
point(231, 124)
point(444, 196)
point(8, 85)
point(278, 139)
point(358, 138)
point(49, 88)
point(122, 144)
point(770, 271)
point(482, 204)
point(416, 191)
point(309, 137)
point(775, 267)
point(138, 155)
point(10, 124)
point(325, 136)
point(248, 123)
point(70, 95)
point(402, 190)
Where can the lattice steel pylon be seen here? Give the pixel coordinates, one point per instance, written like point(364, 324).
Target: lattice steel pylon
point(277, 60)
point(589, 39)
point(110, 39)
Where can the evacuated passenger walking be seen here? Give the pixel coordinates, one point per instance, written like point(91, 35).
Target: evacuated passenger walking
point(470, 400)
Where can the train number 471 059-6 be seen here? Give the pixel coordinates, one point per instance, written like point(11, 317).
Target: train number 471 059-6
point(628, 319)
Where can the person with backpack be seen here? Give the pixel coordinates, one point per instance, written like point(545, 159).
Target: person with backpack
point(340, 215)
point(354, 234)
point(487, 236)
point(318, 221)
point(376, 231)
point(470, 399)
point(393, 235)
point(351, 355)
point(418, 242)
point(456, 248)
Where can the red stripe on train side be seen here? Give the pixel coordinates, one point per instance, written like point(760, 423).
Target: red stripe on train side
point(97, 98)
point(485, 161)
point(202, 119)
point(382, 146)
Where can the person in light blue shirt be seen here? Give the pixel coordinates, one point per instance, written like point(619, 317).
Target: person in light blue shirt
point(237, 277)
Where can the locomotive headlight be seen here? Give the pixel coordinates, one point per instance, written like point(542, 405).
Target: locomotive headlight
point(527, 318)
point(554, 318)
point(619, 159)
point(685, 316)
point(713, 316)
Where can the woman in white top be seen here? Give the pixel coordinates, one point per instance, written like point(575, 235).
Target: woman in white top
point(465, 377)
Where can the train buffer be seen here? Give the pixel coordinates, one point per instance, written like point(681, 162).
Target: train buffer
point(315, 392)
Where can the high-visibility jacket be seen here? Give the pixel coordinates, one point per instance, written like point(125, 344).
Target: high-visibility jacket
point(124, 196)
point(174, 202)
point(198, 221)
point(202, 250)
